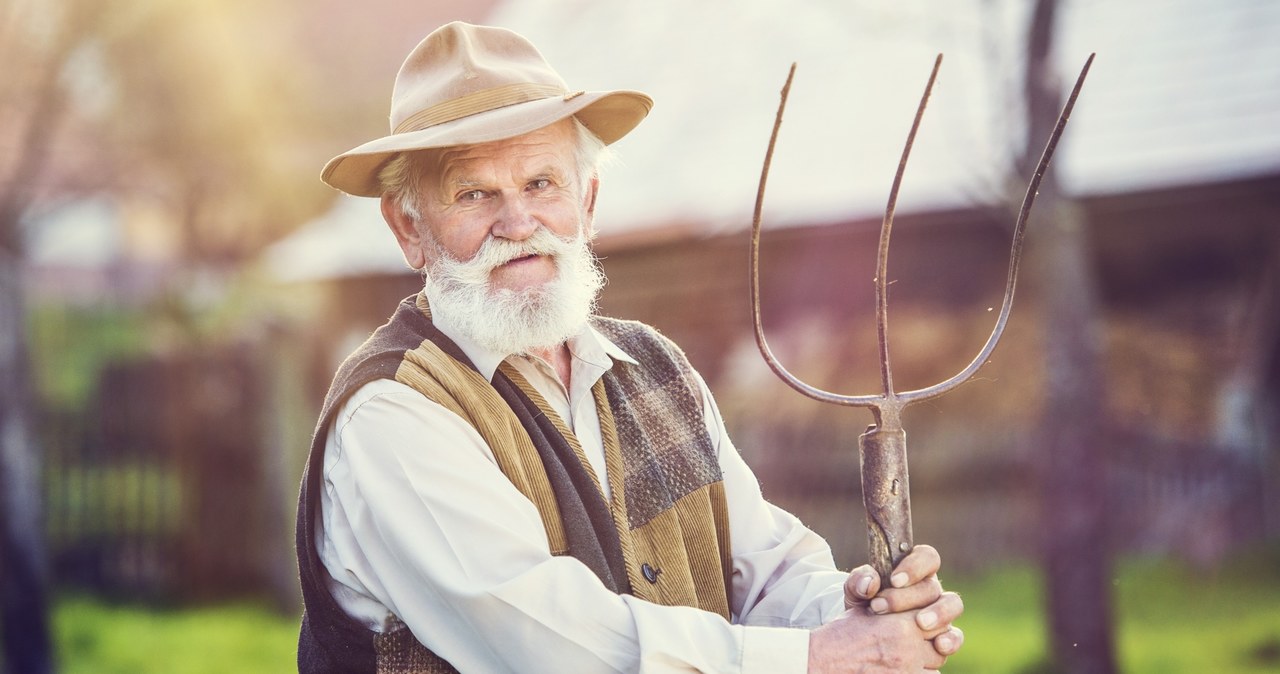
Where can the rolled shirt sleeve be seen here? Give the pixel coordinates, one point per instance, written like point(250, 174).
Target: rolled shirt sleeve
point(783, 572)
point(419, 523)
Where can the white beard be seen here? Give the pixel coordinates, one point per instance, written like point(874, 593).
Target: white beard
point(516, 321)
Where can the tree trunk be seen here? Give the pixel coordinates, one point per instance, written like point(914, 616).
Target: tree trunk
point(24, 629)
point(23, 578)
point(1073, 482)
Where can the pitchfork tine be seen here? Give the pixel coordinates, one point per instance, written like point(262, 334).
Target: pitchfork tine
point(882, 256)
point(772, 361)
point(882, 449)
point(888, 396)
point(1015, 255)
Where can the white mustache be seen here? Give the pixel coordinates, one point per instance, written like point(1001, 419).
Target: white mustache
point(495, 252)
point(515, 321)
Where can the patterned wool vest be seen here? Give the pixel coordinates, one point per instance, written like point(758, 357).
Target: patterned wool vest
point(664, 536)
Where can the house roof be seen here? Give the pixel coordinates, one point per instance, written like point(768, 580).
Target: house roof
point(1182, 92)
point(349, 239)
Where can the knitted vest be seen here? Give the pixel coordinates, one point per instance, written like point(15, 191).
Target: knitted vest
point(663, 537)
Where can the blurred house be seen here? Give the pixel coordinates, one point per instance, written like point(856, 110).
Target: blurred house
point(1173, 156)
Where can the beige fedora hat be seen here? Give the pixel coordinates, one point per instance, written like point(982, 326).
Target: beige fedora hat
point(466, 84)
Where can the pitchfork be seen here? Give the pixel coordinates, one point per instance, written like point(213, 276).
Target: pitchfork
point(883, 447)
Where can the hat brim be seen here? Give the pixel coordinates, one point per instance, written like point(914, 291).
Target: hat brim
point(610, 115)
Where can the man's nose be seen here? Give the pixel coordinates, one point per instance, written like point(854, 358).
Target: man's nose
point(515, 220)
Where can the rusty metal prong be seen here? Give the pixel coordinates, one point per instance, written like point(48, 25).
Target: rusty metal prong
point(886, 228)
point(761, 342)
point(879, 403)
point(1015, 256)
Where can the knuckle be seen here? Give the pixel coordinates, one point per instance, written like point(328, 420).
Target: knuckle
point(949, 642)
point(926, 552)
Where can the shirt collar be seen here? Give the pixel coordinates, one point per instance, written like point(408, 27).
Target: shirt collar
point(588, 345)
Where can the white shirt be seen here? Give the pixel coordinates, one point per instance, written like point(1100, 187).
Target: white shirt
point(419, 523)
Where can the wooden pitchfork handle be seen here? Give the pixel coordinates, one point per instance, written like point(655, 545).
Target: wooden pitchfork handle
point(883, 447)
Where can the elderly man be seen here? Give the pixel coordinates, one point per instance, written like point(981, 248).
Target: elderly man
point(502, 481)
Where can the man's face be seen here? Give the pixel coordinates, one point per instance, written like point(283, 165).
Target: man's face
point(505, 190)
point(503, 237)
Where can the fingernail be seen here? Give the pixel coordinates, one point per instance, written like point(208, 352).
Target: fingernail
point(879, 605)
point(927, 620)
point(943, 643)
point(864, 585)
point(898, 579)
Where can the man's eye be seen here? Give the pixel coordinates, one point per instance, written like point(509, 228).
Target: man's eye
point(540, 184)
point(471, 195)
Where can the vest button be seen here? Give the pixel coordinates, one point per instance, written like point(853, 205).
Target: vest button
point(650, 573)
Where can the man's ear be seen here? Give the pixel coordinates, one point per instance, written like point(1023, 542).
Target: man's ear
point(589, 199)
point(405, 230)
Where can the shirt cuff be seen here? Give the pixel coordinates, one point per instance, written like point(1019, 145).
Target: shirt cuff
point(775, 650)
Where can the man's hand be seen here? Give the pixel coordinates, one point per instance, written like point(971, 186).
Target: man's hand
point(865, 643)
point(904, 628)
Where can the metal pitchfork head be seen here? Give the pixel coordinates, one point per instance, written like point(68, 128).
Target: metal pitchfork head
point(883, 447)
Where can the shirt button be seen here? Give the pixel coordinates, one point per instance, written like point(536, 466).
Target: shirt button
point(650, 573)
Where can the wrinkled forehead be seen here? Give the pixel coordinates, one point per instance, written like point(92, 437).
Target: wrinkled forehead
point(547, 151)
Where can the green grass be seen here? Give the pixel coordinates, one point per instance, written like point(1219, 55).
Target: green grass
point(1177, 619)
point(1172, 619)
point(94, 637)
point(1002, 622)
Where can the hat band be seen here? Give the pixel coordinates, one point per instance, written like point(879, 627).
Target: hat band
point(478, 101)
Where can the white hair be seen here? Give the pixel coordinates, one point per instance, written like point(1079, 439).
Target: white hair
point(402, 175)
